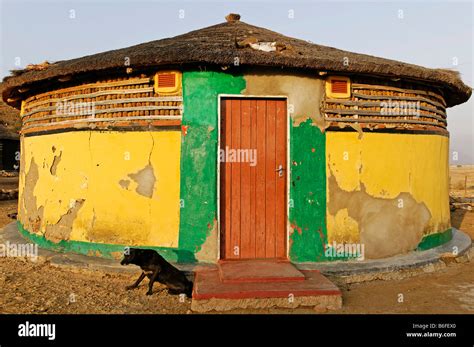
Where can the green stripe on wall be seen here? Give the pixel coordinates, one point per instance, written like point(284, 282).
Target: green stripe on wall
point(435, 240)
point(100, 249)
point(181, 256)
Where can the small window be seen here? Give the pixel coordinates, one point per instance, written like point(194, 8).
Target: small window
point(168, 82)
point(338, 87)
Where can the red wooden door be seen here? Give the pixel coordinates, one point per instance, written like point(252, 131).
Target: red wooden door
point(253, 180)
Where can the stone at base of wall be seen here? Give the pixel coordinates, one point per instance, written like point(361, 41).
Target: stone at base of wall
point(321, 303)
point(445, 260)
point(396, 267)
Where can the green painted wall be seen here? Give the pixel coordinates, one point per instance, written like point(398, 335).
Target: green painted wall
point(307, 193)
point(199, 153)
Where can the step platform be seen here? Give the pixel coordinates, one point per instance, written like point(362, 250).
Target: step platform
point(258, 271)
point(262, 284)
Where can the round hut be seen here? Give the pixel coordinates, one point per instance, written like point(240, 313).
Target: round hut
point(234, 142)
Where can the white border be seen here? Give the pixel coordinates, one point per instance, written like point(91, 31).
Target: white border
point(288, 156)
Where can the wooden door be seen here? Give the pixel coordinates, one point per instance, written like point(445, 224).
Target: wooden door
point(253, 192)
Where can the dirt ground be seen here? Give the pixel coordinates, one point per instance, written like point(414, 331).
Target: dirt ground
point(461, 181)
point(462, 186)
point(27, 287)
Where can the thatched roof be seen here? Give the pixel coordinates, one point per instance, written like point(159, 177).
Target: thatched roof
point(10, 122)
point(220, 44)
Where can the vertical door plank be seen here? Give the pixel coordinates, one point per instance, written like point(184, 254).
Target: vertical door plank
point(270, 180)
point(222, 191)
point(235, 187)
point(281, 156)
point(253, 172)
point(227, 183)
point(245, 179)
point(260, 179)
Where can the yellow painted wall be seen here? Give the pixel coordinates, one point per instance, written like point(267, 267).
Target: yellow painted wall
point(111, 187)
point(388, 190)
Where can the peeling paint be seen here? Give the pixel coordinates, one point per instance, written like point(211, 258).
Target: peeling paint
point(184, 129)
point(124, 183)
point(382, 194)
point(390, 164)
point(356, 126)
point(145, 179)
point(343, 228)
point(55, 163)
point(208, 251)
point(85, 183)
point(387, 226)
point(92, 175)
point(304, 93)
point(62, 229)
point(27, 203)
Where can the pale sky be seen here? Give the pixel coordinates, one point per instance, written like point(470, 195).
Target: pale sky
point(432, 34)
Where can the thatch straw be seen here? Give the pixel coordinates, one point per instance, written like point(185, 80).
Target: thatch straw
point(9, 122)
point(218, 45)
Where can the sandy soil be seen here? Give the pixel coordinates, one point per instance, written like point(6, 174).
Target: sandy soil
point(26, 287)
point(462, 186)
point(7, 207)
point(40, 288)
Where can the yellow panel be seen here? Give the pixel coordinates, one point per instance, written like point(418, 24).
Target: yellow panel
point(384, 166)
point(342, 228)
point(113, 187)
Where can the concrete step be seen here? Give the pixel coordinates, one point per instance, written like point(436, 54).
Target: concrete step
point(233, 271)
point(210, 293)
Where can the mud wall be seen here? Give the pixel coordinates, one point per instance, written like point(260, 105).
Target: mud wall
point(387, 191)
point(95, 191)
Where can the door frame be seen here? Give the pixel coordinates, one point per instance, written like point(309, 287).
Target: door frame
point(287, 186)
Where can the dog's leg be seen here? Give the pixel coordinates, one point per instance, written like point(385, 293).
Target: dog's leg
point(137, 282)
point(153, 278)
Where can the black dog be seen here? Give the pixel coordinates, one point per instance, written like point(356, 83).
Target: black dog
point(156, 268)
